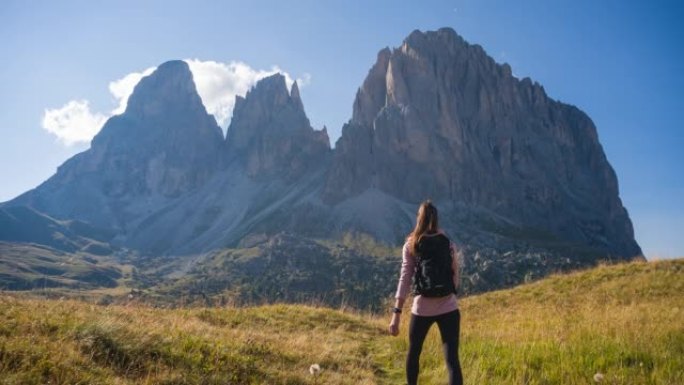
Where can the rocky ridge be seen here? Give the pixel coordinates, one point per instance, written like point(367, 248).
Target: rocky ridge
point(270, 133)
point(521, 180)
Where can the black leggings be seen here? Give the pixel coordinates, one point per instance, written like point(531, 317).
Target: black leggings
point(449, 328)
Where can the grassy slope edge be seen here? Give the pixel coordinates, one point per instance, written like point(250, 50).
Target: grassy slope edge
point(623, 321)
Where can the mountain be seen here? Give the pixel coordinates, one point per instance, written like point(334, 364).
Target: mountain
point(439, 118)
point(271, 160)
point(521, 181)
point(24, 224)
point(163, 146)
point(271, 135)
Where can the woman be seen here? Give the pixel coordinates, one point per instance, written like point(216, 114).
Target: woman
point(434, 298)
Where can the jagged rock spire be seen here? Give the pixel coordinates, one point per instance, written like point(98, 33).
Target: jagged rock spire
point(296, 98)
point(270, 133)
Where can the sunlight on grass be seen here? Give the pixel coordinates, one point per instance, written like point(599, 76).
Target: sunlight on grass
point(622, 322)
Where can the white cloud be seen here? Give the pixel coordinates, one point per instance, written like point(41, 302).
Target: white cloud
point(74, 122)
point(305, 80)
point(217, 84)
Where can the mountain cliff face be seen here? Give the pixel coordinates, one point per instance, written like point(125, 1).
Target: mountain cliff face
point(164, 145)
point(272, 160)
point(166, 128)
point(521, 180)
point(270, 133)
point(438, 118)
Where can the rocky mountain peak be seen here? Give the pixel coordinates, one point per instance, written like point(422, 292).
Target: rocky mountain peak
point(445, 36)
point(163, 145)
point(270, 91)
point(438, 118)
point(169, 88)
point(271, 134)
point(522, 182)
point(165, 122)
point(370, 97)
point(164, 107)
point(294, 94)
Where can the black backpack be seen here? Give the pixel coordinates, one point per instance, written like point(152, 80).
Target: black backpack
point(434, 276)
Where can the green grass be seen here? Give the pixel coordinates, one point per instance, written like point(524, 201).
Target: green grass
point(624, 321)
point(70, 342)
point(30, 266)
point(363, 244)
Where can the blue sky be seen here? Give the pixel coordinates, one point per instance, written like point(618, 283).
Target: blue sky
point(622, 62)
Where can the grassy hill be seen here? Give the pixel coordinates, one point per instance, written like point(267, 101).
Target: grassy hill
point(623, 321)
point(26, 266)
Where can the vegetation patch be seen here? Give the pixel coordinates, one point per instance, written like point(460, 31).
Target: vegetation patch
point(622, 322)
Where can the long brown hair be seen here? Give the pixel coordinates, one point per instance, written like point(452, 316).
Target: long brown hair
point(426, 221)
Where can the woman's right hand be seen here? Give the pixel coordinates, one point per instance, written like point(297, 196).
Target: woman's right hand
point(394, 325)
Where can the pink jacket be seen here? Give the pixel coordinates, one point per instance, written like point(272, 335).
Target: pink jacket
point(425, 306)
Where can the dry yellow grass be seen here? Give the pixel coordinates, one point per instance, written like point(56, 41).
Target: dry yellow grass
point(622, 321)
point(625, 322)
point(73, 342)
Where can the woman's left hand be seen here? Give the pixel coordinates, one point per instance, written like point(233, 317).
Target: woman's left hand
point(394, 325)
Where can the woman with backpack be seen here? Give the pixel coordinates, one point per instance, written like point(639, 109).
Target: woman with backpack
point(429, 263)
